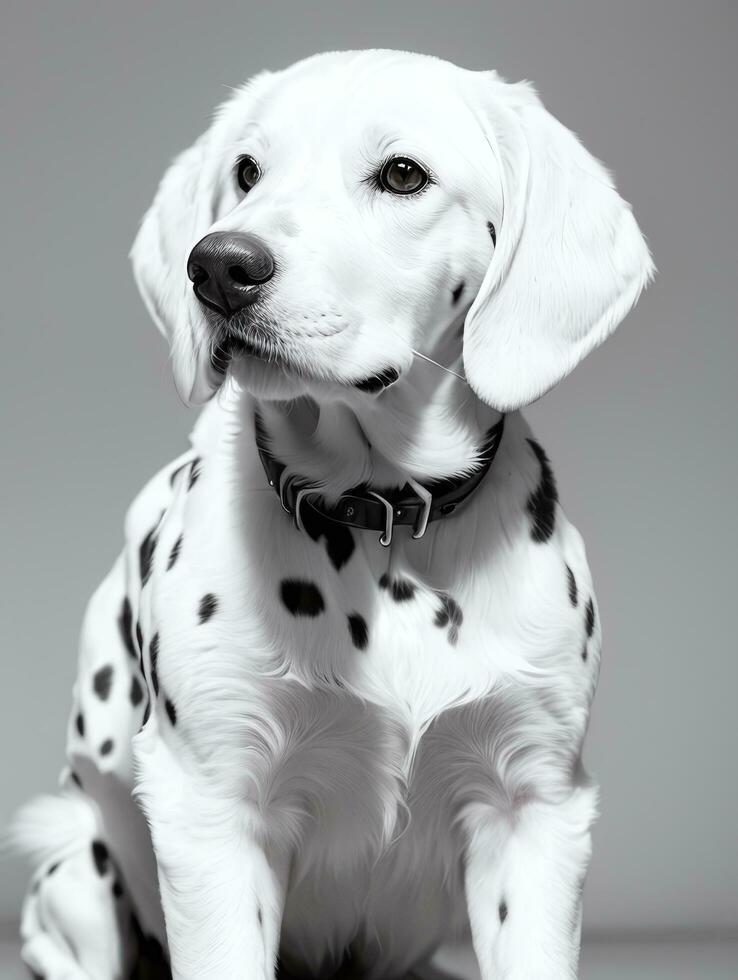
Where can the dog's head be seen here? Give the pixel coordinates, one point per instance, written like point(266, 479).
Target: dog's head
point(346, 211)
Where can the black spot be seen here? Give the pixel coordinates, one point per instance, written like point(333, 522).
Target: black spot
point(502, 911)
point(80, 724)
point(401, 588)
point(584, 652)
point(339, 541)
point(107, 747)
point(117, 889)
point(146, 555)
point(541, 504)
point(301, 598)
point(151, 962)
point(359, 631)
point(154, 657)
point(101, 856)
point(194, 472)
point(572, 583)
point(174, 553)
point(139, 636)
point(136, 692)
point(146, 714)
point(589, 617)
point(456, 294)
point(445, 611)
point(170, 710)
point(125, 626)
point(377, 382)
point(449, 614)
point(259, 916)
point(75, 779)
point(102, 682)
point(208, 605)
point(51, 869)
point(492, 233)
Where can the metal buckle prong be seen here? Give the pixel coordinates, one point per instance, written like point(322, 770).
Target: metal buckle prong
point(427, 497)
point(301, 494)
point(283, 484)
point(386, 538)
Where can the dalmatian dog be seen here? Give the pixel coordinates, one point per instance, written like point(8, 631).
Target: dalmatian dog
point(332, 696)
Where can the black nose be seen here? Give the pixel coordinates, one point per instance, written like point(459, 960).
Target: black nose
point(227, 268)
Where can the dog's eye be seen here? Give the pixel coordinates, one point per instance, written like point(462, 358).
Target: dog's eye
point(401, 175)
point(248, 172)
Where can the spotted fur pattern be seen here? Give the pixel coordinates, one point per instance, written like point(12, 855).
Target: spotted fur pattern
point(428, 680)
point(296, 744)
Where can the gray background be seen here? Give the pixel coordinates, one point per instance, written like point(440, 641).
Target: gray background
point(96, 98)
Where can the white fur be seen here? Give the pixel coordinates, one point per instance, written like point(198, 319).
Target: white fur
point(570, 259)
point(313, 796)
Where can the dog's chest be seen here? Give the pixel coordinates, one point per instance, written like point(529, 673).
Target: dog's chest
point(323, 630)
point(361, 697)
point(327, 606)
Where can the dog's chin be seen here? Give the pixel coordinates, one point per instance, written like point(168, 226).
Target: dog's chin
point(256, 362)
point(259, 369)
point(234, 347)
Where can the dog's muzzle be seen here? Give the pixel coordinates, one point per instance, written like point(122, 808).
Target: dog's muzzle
point(227, 270)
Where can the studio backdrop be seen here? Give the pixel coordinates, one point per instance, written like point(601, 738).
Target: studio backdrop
point(97, 99)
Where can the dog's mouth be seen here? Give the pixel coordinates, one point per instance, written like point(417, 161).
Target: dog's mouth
point(231, 340)
point(231, 343)
point(376, 383)
point(225, 349)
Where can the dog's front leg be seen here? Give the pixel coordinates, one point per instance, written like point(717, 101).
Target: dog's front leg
point(523, 877)
point(222, 888)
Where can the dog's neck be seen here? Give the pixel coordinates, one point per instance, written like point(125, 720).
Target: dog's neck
point(423, 427)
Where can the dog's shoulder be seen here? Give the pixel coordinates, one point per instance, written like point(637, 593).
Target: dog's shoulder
point(533, 581)
point(109, 691)
point(110, 694)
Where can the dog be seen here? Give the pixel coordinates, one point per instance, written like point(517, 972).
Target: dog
point(332, 696)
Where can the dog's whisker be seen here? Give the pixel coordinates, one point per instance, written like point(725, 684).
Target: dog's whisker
point(442, 368)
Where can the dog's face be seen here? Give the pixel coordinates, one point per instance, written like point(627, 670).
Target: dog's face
point(369, 220)
point(348, 211)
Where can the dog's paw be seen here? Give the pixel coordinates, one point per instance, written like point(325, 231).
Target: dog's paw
point(77, 919)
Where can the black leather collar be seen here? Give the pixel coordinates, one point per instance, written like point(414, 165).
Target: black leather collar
point(373, 510)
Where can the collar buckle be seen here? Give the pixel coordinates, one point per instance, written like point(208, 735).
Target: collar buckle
point(389, 520)
point(449, 493)
point(284, 485)
point(427, 500)
point(301, 494)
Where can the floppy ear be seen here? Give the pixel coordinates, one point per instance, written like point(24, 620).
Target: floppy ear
point(569, 262)
point(181, 214)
